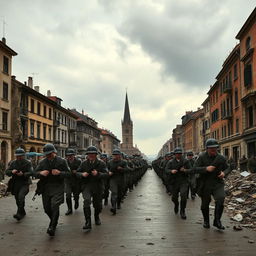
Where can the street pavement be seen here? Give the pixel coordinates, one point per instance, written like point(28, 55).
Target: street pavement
point(146, 225)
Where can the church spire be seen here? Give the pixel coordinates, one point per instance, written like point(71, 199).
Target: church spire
point(127, 117)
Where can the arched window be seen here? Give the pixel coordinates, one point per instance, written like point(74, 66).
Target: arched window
point(248, 43)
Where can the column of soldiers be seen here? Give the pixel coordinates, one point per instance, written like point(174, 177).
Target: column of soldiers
point(204, 176)
point(93, 178)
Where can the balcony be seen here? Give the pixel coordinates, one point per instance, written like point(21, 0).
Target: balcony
point(227, 88)
point(227, 116)
point(56, 123)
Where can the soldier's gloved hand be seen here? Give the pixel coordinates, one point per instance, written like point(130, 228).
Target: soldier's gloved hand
point(182, 169)
point(55, 172)
point(174, 171)
point(85, 174)
point(14, 171)
point(110, 173)
point(94, 173)
point(119, 168)
point(221, 175)
point(19, 173)
point(210, 168)
point(44, 173)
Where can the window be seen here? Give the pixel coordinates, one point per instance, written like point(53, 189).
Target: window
point(6, 65)
point(45, 111)
point(215, 115)
point(38, 130)
point(235, 71)
point(38, 108)
point(50, 113)
point(4, 121)
point(58, 134)
point(32, 106)
point(126, 131)
point(44, 132)
point(250, 116)
point(32, 129)
point(229, 80)
point(247, 75)
point(50, 133)
point(127, 140)
point(237, 125)
point(248, 43)
point(5, 91)
point(236, 98)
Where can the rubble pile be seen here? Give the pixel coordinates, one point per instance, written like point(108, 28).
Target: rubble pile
point(3, 188)
point(241, 198)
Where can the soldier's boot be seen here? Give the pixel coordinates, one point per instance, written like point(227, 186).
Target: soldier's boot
point(217, 216)
point(53, 223)
point(16, 215)
point(88, 221)
point(97, 217)
point(182, 209)
point(76, 204)
point(206, 216)
point(69, 204)
point(113, 206)
point(176, 206)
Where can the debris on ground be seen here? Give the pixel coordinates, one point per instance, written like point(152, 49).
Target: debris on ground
point(241, 198)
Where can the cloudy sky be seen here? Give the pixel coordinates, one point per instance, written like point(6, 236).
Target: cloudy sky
point(165, 52)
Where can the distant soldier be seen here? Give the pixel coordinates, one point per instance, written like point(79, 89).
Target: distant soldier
point(20, 171)
point(52, 171)
point(177, 168)
point(92, 173)
point(117, 168)
point(251, 165)
point(212, 168)
point(72, 183)
point(191, 177)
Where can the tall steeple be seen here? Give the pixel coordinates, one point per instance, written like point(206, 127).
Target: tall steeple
point(127, 117)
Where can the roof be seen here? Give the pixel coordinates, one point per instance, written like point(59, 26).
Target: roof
point(105, 132)
point(127, 117)
point(247, 24)
point(7, 48)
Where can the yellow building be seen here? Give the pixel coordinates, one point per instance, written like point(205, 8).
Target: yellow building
point(6, 54)
point(36, 118)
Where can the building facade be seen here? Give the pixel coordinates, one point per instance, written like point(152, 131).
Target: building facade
point(6, 54)
point(109, 142)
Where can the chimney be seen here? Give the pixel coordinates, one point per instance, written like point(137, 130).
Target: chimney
point(25, 82)
point(30, 82)
point(4, 40)
point(36, 88)
point(48, 93)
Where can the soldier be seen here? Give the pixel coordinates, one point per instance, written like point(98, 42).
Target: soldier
point(178, 168)
point(191, 177)
point(251, 165)
point(20, 171)
point(104, 158)
point(72, 184)
point(117, 168)
point(92, 172)
point(52, 171)
point(212, 168)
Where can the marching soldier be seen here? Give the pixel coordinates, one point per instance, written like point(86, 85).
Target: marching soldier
point(104, 158)
point(52, 171)
point(117, 168)
point(72, 184)
point(212, 168)
point(191, 177)
point(20, 171)
point(177, 168)
point(92, 172)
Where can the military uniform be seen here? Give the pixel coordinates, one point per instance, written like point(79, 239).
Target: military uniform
point(92, 187)
point(72, 185)
point(118, 168)
point(19, 185)
point(251, 165)
point(178, 182)
point(52, 186)
point(209, 184)
point(104, 158)
point(191, 178)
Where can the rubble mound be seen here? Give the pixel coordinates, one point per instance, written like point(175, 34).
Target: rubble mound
point(241, 198)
